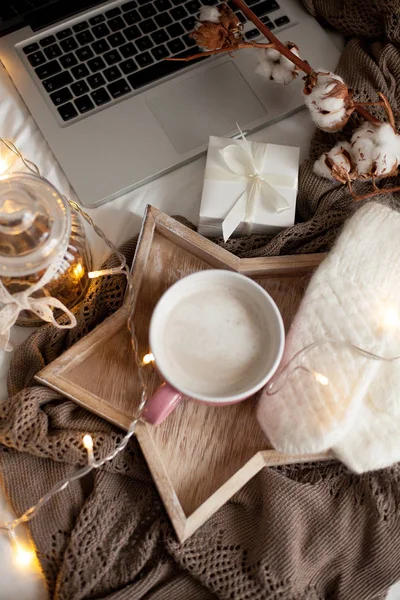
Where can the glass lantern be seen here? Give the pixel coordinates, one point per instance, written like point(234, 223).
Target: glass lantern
point(37, 228)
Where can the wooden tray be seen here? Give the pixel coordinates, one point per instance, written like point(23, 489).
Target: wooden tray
point(201, 455)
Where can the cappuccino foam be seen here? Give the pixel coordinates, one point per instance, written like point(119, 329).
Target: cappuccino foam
point(215, 341)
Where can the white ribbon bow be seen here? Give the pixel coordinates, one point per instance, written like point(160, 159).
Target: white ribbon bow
point(242, 162)
point(12, 304)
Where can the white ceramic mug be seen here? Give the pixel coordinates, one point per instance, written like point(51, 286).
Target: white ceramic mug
point(217, 337)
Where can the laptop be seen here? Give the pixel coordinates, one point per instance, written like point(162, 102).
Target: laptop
point(115, 113)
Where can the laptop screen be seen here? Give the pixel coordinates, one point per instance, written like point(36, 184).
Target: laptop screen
point(15, 14)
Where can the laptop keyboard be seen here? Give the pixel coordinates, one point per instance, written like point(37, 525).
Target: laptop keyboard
point(98, 60)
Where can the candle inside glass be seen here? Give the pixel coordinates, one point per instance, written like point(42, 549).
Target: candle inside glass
point(35, 222)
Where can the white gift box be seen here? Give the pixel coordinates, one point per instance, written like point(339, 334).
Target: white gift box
point(249, 187)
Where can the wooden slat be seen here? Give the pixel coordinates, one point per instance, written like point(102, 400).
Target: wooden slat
point(280, 265)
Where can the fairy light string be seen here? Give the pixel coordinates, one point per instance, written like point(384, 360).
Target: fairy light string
point(23, 556)
point(82, 472)
point(288, 371)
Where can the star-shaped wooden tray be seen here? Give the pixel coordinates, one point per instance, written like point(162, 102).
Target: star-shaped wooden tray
point(201, 455)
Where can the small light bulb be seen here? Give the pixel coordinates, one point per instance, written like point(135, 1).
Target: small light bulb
point(3, 166)
point(23, 557)
point(78, 270)
point(390, 317)
point(113, 271)
point(148, 358)
point(322, 379)
point(88, 442)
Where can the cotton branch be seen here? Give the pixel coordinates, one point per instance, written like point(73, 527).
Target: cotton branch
point(373, 152)
point(376, 192)
point(388, 109)
point(226, 36)
point(300, 64)
point(365, 114)
point(267, 33)
point(233, 48)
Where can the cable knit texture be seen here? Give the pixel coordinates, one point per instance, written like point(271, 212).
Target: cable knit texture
point(309, 532)
point(353, 297)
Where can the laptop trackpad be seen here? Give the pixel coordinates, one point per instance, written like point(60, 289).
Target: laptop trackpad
point(209, 103)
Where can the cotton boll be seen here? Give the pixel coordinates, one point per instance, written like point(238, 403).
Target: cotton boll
point(375, 149)
point(274, 71)
point(264, 66)
point(385, 136)
point(273, 65)
point(209, 13)
point(341, 155)
point(312, 106)
point(330, 121)
point(272, 54)
point(383, 132)
point(364, 168)
point(366, 130)
point(331, 104)
point(321, 169)
point(318, 102)
point(209, 36)
point(230, 21)
point(281, 74)
point(328, 100)
point(359, 139)
point(363, 151)
point(325, 79)
point(324, 85)
point(384, 163)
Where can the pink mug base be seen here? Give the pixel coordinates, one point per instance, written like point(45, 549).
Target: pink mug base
point(166, 398)
point(161, 404)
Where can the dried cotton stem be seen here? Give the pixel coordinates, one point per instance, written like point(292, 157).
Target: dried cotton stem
point(377, 191)
point(365, 114)
point(388, 110)
point(368, 103)
point(229, 49)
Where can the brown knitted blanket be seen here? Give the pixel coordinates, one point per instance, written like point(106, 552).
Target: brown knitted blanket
point(308, 532)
